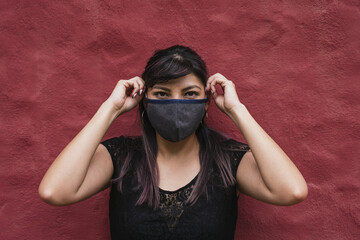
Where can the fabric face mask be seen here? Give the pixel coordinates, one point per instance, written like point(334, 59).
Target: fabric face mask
point(175, 119)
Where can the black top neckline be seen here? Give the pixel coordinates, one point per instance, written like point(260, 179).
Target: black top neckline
point(182, 188)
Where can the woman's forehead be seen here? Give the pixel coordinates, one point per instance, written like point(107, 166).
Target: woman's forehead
point(181, 82)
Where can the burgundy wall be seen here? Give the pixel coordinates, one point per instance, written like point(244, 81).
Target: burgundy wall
point(295, 63)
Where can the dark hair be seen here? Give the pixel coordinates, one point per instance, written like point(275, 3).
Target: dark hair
point(174, 62)
point(164, 65)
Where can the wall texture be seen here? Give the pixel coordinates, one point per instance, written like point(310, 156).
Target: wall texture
point(296, 68)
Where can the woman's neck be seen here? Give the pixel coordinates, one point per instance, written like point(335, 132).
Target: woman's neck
point(177, 150)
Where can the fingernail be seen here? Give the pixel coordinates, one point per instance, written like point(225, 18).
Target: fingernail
point(141, 91)
point(134, 95)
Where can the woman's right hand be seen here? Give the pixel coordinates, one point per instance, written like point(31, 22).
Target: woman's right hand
point(127, 94)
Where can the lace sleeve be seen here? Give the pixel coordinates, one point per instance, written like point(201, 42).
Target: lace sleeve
point(114, 146)
point(236, 151)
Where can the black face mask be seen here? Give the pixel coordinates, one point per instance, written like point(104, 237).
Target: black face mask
point(175, 119)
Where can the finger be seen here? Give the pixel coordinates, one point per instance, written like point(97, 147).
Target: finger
point(213, 83)
point(223, 82)
point(228, 85)
point(136, 90)
point(138, 97)
point(131, 87)
point(141, 84)
point(208, 83)
point(217, 79)
point(213, 88)
point(138, 81)
point(141, 80)
point(220, 75)
point(214, 94)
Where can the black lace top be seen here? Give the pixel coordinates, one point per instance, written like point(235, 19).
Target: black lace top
point(206, 219)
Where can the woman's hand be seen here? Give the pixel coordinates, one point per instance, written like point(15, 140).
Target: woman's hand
point(227, 101)
point(127, 94)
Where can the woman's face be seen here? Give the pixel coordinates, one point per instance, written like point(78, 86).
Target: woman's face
point(186, 87)
point(174, 122)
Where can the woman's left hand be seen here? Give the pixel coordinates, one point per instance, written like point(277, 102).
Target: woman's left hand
point(227, 101)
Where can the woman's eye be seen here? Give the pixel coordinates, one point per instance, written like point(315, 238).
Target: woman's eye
point(191, 94)
point(160, 94)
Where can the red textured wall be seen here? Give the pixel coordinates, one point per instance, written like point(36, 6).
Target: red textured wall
point(296, 66)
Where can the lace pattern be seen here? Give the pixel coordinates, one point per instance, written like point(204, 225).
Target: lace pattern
point(172, 205)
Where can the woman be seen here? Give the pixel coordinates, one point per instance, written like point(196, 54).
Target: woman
point(179, 180)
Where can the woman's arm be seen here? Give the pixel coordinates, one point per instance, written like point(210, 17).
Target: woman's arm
point(84, 167)
point(266, 173)
point(66, 174)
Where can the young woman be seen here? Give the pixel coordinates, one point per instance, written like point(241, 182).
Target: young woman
point(180, 179)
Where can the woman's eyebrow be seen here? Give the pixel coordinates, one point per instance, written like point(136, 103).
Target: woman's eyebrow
point(162, 88)
point(192, 86)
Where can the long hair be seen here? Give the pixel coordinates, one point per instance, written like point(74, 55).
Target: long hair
point(164, 65)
